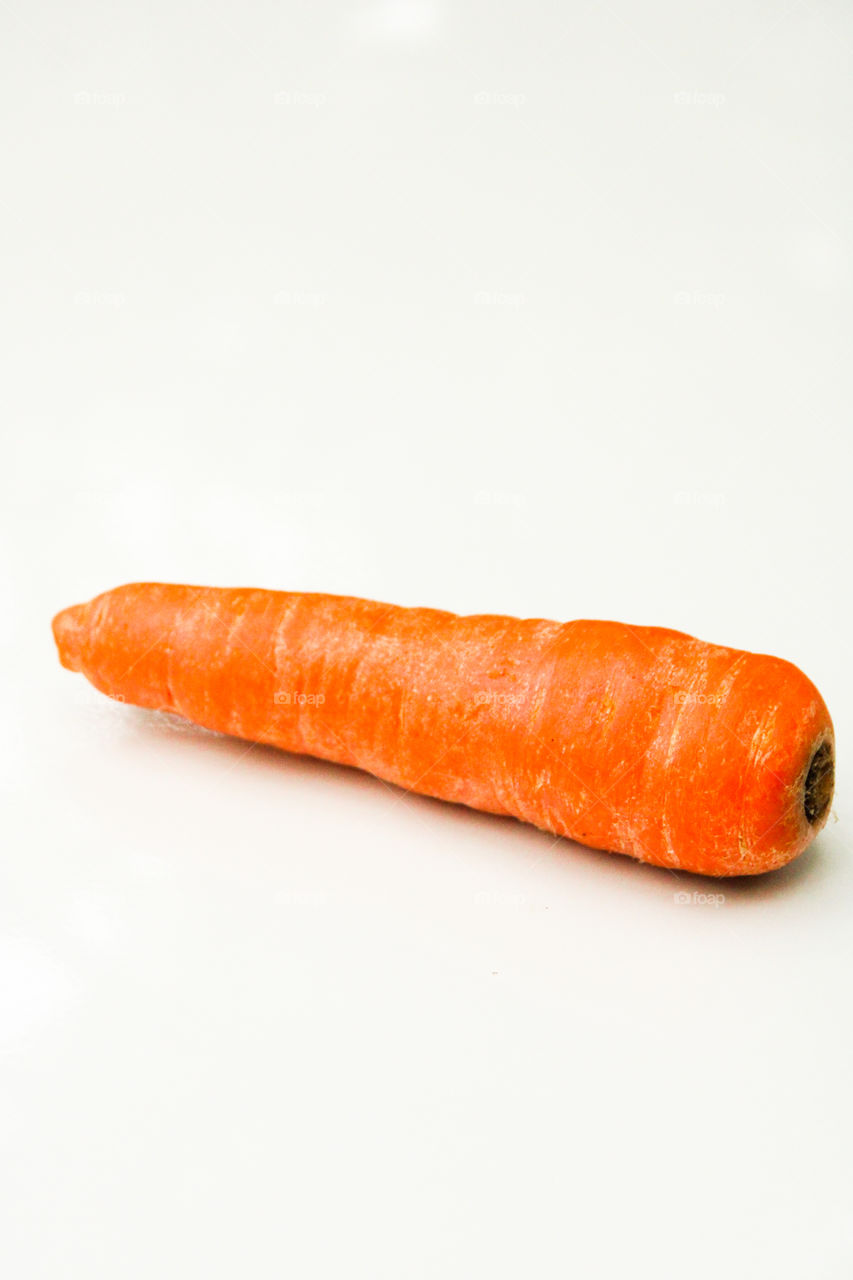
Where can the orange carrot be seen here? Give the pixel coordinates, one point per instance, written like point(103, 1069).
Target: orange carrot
point(639, 740)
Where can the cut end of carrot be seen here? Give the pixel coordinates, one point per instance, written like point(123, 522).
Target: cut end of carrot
point(69, 631)
point(820, 784)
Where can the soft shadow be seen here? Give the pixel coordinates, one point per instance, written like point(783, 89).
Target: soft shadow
point(562, 852)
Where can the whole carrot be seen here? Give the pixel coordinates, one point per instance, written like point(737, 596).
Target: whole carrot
point(639, 740)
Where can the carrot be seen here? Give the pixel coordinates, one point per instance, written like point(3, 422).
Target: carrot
point(639, 740)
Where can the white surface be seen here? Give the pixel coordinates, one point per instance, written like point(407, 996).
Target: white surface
point(536, 309)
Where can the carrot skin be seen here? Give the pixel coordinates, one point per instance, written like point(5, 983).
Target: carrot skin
point(638, 740)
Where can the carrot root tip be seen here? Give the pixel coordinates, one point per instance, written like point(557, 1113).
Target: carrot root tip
point(69, 629)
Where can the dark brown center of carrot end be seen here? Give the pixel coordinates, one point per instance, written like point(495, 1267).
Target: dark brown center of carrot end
point(820, 781)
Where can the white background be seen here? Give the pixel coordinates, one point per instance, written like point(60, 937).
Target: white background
point(539, 309)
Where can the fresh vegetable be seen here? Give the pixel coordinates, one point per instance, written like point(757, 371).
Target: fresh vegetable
point(639, 740)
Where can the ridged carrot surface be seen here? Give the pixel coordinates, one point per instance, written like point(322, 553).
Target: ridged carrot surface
point(639, 740)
